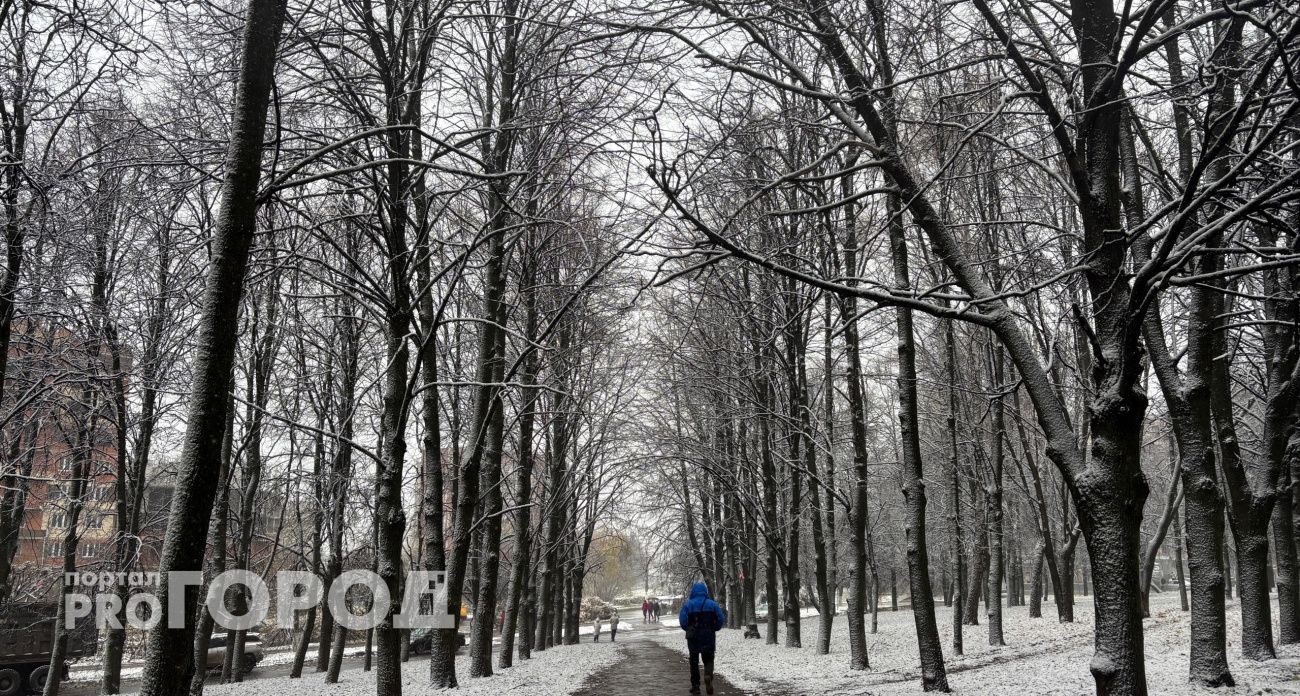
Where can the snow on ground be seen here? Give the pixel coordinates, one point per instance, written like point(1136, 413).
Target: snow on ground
point(1042, 657)
point(134, 668)
point(587, 629)
point(555, 672)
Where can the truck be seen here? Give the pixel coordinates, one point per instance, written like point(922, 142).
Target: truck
point(26, 639)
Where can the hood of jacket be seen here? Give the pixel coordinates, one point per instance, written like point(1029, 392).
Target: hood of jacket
point(699, 591)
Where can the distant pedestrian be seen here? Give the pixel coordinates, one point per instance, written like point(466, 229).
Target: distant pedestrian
point(613, 627)
point(645, 610)
point(596, 634)
point(654, 611)
point(701, 618)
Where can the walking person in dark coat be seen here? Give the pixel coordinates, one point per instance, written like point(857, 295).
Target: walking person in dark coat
point(701, 618)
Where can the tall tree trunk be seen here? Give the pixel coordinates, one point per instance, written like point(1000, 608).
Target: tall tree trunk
point(993, 500)
point(480, 662)
point(795, 348)
point(1178, 562)
point(933, 674)
point(486, 392)
point(125, 479)
point(262, 327)
point(766, 406)
point(520, 571)
point(859, 513)
point(980, 560)
point(168, 659)
point(87, 434)
point(309, 623)
point(340, 473)
point(1284, 543)
point(217, 537)
point(551, 576)
point(954, 465)
point(821, 577)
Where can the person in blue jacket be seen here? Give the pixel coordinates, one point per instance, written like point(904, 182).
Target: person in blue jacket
point(701, 618)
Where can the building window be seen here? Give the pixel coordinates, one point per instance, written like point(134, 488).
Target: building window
point(90, 550)
point(94, 521)
point(53, 549)
point(58, 520)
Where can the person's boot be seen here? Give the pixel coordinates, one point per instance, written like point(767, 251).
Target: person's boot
point(708, 682)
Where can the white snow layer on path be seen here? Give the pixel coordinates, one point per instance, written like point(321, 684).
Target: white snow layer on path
point(1042, 657)
point(556, 672)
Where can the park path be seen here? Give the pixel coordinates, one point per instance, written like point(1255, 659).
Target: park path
point(647, 668)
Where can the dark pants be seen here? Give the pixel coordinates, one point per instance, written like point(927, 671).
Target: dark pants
point(696, 656)
point(613, 633)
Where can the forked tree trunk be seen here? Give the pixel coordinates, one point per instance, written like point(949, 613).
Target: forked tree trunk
point(1173, 500)
point(1187, 399)
point(980, 560)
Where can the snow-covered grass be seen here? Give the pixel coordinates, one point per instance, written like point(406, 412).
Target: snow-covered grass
point(133, 669)
point(556, 672)
point(1041, 657)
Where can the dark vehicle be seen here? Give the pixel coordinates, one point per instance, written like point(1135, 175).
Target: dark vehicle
point(252, 651)
point(26, 639)
point(422, 638)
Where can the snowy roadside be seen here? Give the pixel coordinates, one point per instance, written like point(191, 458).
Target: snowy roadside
point(556, 672)
point(1042, 657)
point(92, 672)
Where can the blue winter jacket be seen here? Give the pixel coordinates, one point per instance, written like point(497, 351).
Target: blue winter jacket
point(704, 615)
